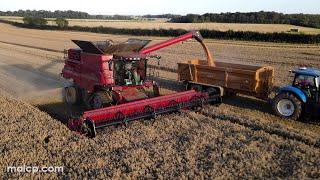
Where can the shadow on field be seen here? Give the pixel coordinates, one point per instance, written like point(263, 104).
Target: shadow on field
point(248, 103)
point(61, 111)
point(169, 84)
point(260, 105)
point(56, 110)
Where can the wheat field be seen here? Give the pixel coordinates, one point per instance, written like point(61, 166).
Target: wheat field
point(210, 144)
point(241, 139)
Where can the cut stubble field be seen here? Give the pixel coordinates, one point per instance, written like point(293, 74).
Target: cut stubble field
point(188, 145)
point(241, 138)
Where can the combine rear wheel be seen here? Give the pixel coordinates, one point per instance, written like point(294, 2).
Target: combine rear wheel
point(72, 95)
point(286, 105)
point(100, 100)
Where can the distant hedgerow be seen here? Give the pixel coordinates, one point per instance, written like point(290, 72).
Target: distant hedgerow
point(206, 33)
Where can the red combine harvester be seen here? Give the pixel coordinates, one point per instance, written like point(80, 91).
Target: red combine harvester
point(111, 79)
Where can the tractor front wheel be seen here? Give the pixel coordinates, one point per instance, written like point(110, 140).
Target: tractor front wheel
point(287, 106)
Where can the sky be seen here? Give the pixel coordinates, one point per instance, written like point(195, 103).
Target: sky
point(143, 7)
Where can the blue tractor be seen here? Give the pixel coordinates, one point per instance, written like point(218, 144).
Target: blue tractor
point(301, 98)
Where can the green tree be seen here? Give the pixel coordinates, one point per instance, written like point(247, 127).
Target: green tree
point(62, 23)
point(27, 20)
point(34, 21)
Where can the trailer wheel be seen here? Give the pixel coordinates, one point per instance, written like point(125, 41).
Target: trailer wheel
point(195, 87)
point(100, 100)
point(287, 106)
point(211, 91)
point(72, 95)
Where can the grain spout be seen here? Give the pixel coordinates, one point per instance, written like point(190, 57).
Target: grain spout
point(210, 59)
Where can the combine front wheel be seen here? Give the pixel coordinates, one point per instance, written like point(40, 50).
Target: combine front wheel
point(286, 105)
point(72, 95)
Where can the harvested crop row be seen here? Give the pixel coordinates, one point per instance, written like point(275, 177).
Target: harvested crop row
point(173, 146)
point(260, 124)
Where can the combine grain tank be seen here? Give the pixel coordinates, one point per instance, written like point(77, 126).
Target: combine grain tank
point(228, 78)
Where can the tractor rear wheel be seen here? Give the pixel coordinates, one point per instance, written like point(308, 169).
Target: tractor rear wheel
point(287, 106)
point(100, 100)
point(72, 95)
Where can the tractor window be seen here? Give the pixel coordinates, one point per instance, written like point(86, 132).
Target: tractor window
point(304, 80)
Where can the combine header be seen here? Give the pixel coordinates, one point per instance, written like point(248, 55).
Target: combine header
point(124, 113)
point(110, 80)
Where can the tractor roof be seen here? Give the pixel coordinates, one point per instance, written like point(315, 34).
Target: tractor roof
point(308, 71)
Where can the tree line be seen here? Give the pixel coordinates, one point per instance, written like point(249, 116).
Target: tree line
point(39, 22)
point(168, 16)
point(62, 14)
point(261, 17)
point(213, 34)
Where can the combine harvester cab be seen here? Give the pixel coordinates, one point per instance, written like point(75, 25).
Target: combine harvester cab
point(110, 79)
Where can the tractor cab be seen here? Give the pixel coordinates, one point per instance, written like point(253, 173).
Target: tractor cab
point(302, 97)
point(307, 80)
